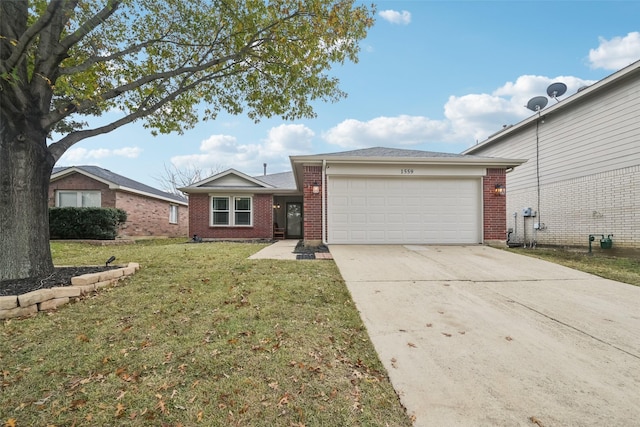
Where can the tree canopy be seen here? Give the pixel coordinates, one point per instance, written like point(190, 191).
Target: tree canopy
point(168, 63)
point(159, 60)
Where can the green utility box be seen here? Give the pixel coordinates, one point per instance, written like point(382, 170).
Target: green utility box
point(606, 242)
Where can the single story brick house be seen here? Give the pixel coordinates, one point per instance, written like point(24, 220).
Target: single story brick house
point(582, 176)
point(150, 212)
point(368, 196)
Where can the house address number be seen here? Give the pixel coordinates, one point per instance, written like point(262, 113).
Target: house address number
point(406, 171)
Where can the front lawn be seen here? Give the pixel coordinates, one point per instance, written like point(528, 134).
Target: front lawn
point(199, 336)
point(619, 265)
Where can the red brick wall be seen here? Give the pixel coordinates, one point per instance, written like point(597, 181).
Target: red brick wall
point(495, 207)
point(199, 219)
point(79, 182)
point(312, 203)
point(146, 216)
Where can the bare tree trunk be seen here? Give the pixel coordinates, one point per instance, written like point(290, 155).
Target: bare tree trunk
point(25, 171)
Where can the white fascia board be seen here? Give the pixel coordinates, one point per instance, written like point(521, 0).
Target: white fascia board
point(144, 193)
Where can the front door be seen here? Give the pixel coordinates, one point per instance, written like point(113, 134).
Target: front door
point(294, 220)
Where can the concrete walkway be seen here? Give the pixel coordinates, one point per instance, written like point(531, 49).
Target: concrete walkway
point(282, 249)
point(476, 336)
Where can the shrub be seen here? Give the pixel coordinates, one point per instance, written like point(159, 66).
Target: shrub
point(85, 223)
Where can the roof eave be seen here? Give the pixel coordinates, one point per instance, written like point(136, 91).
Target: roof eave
point(453, 161)
point(238, 190)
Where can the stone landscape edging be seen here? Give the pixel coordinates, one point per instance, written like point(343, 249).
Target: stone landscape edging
point(31, 303)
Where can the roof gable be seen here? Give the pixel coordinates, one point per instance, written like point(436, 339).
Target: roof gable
point(116, 182)
point(230, 179)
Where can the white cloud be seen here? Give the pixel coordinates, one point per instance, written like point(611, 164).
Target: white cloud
point(616, 53)
point(468, 118)
point(395, 17)
point(128, 152)
point(224, 151)
point(384, 131)
point(80, 155)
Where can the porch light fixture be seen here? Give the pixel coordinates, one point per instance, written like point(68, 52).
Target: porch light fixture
point(316, 188)
point(276, 206)
point(500, 190)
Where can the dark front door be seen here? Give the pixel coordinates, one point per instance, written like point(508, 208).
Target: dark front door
point(294, 220)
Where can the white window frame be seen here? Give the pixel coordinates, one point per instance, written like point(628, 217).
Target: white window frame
point(79, 194)
point(173, 214)
point(231, 211)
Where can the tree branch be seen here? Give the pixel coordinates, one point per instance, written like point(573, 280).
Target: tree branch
point(27, 38)
point(57, 149)
point(89, 25)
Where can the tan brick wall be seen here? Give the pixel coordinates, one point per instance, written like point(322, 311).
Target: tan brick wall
point(601, 203)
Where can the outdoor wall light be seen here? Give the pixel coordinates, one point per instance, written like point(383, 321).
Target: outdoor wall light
point(276, 206)
point(500, 190)
point(316, 188)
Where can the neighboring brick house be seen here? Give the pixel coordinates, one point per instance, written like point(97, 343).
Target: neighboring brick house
point(582, 176)
point(370, 196)
point(150, 212)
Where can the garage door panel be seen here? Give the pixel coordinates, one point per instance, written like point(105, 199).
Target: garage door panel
point(411, 210)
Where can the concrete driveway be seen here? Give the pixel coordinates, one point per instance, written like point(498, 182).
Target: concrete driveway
point(476, 336)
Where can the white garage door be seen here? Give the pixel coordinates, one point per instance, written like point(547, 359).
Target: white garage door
point(404, 210)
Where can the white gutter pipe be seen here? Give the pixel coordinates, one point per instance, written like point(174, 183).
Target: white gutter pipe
point(324, 201)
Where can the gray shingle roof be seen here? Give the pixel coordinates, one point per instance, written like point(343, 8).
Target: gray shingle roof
point(391, 152)
point(282, 180)
point(122, 181)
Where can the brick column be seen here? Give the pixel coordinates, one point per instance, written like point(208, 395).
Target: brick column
point(495, 206)
point(312, 205)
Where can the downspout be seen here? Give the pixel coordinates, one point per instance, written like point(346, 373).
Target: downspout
point(324, 201)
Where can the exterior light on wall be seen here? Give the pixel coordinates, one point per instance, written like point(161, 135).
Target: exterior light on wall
point(316, 188)
point(276, 206)
point(500, 190)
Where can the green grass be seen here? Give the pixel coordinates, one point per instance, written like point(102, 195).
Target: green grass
point(199, 336)
point(623, 267)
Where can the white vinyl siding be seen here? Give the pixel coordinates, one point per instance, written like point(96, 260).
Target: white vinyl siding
point(374, 210)
point(231, 211)
point(78, 199)
point(586, 138)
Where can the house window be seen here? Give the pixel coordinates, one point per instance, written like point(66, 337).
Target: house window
point(242, 211)
point(231, 211)
point(173, 214)
point(78, 199)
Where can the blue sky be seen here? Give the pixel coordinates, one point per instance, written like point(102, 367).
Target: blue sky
point(432, 75)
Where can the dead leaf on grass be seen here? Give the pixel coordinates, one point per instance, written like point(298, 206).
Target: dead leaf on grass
point(119, 410)
point(11, 422)
point(78, 403)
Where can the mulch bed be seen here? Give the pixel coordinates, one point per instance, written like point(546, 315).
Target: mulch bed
point(308, 252)
point(61, 276)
